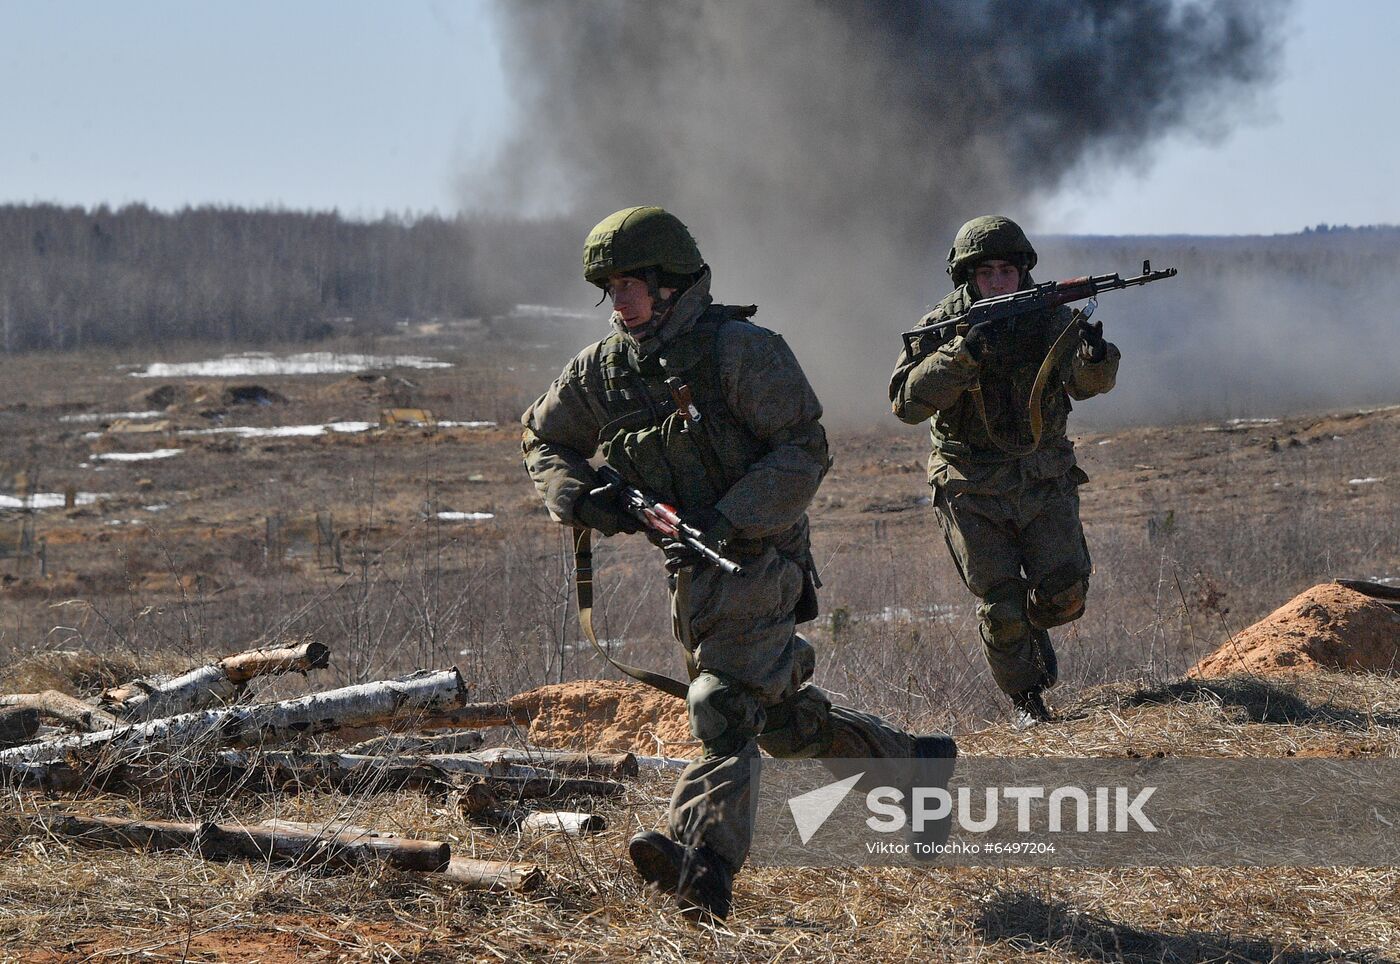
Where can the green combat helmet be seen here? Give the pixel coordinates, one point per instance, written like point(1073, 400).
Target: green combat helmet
point(640, 237)
point(985, 238)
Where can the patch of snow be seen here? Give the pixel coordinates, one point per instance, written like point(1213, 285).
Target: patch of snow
point(281, 431)
point(47, 500)
point(546, 311)
point(465, 516)
point(158, 507)
point(106, 416)
point(1366, 481)
point(1107, 441)
point(307, 363)
point(137, 456)
point(1251, 421)
point(466, 424)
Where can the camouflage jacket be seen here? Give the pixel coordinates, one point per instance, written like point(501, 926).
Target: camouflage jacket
point(757, 453)
point(935, 386)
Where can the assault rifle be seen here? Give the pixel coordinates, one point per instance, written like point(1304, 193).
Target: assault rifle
point(1051, 294)
point(660, 517)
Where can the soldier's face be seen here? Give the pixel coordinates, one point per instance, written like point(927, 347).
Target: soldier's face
point(631, 300)
point(996, 278)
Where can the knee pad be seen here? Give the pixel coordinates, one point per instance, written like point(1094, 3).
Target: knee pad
point(724, 715)
point(1058, 598)
point(1003, 615)
point(799, 727)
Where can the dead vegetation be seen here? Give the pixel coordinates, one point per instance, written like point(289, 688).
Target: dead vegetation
point(1196, 535)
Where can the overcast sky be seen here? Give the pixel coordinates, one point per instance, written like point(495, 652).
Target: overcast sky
point(367, 107)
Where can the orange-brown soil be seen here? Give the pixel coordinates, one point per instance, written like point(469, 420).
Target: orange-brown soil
point(1326, 627)
point(608, 715)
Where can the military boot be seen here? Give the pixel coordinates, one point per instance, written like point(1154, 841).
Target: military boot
point(936, 746)
point(702, 882)
point(1030, 709)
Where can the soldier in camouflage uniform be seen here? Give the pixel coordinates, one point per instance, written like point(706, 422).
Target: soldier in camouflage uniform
point(1006, 499)
point(744, 473)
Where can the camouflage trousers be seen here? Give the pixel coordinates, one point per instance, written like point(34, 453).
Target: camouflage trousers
point(1022, 553)
point(752, 689)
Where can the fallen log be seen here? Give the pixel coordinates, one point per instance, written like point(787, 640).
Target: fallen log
point(480, 874)
point(462, 741)
point(54, 705)
point(476, 716)
point(212, 840)
point(18, 724)
point(217, 683)
point(493, 874)
point(379, 702)
point(564, 821)
point(563, 761)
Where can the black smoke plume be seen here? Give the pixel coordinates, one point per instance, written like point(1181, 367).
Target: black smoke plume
point(824, 151)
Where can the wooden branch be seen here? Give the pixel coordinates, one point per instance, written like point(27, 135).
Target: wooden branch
point(275, 844)
point(611, 764)
point(379, 702)
point(476, 716)
point(211, 685)
point(461, 741)
point(494, 874)
point(564, 821)
point(54, 705)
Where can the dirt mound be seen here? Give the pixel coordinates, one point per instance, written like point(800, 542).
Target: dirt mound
point(191, 396)
point(1327, 627)
point(371, 387)
point(608, 715)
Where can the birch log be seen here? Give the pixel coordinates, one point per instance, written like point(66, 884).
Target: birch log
point(561, 761)
point(461, 741)
point(53, 705)
point(476, 716)
point(217, 683)
point(493, 874)
point(380, 702)
point(564, 821)
point(279, 845)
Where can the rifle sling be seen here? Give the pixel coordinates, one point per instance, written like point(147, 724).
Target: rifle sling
point(1042, 377)
point(583, 582)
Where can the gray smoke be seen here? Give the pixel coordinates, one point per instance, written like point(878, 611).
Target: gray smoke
point(824, 151)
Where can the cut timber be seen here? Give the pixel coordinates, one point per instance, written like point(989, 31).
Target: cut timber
point(53, 705)
point(564, 821)
point(279, 845)
point(493, 874)
point(564, 761)
point(403, 699)
point(462, 741)
point(217, 683)
point(476, 716)
point(18, 724)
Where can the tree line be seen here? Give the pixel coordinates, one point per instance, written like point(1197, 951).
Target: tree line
point(74, 277)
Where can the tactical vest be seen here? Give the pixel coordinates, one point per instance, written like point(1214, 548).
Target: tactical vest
point(1014, 355)
point(686, 461)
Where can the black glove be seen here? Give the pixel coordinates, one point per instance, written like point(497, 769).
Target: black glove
point(976, 342)
point(601, 510)
point(1094, 348)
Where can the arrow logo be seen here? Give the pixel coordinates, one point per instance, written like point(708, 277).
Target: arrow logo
point(810, 810)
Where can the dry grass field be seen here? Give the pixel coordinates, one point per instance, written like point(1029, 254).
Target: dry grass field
point(432, 550)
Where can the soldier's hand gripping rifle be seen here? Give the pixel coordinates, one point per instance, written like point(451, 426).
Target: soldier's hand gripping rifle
point(662, 518)
point(1051, 294)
